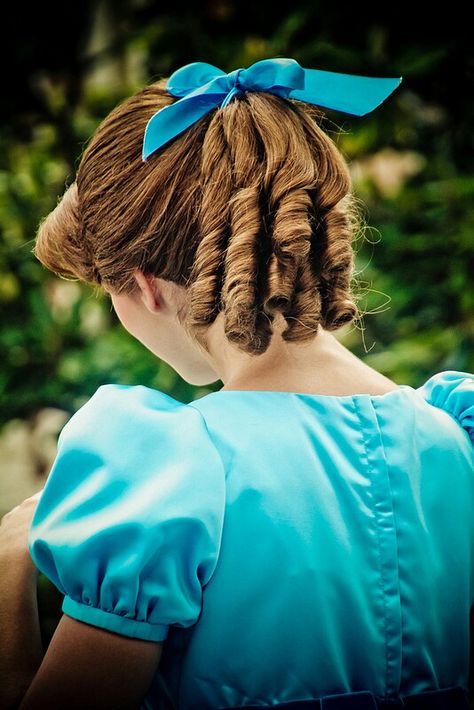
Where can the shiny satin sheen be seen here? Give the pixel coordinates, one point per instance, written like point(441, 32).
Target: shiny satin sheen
point(203, 87)
point(282, 545)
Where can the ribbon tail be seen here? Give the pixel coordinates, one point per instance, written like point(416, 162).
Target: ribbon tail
point(170, 121)
point(349, 93)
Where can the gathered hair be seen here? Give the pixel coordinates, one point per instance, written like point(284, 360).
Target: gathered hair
point(250, 209)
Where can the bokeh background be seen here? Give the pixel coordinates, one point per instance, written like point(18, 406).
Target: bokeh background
point(65, 65)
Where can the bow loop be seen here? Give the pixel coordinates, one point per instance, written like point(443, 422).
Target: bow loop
point(192, 76)
point(278, 75)
point(204, 87)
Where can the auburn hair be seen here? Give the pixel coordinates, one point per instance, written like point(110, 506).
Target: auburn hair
point(250, 209)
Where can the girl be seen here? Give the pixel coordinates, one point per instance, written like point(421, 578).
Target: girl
point(302, 537)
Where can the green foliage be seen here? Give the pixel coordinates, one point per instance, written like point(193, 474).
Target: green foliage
point(412, 170)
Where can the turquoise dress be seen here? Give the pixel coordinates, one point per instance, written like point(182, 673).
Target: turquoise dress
point(283, 546)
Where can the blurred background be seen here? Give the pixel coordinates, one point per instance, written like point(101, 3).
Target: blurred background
point(65, 65)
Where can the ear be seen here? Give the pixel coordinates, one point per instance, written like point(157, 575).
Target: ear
point(148, 290)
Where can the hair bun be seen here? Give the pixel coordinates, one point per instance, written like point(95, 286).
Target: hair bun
point(60, 243)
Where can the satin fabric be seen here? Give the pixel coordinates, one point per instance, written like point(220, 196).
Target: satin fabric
point(203, 87)
point(284, 546)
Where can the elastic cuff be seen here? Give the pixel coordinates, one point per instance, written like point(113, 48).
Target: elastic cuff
point(114, 622)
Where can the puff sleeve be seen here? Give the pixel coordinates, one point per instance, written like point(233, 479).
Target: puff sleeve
point(453, 391)
point(129, 523)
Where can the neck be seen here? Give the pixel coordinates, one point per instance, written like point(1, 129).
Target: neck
point(281, 363)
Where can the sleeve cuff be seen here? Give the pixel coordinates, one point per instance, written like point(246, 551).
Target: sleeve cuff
point(113, 622)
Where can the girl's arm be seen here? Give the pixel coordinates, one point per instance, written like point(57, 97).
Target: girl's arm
point(84, 666)
point(21, 650)
point(88, 667)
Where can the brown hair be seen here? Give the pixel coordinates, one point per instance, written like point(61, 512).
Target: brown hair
point(250, 208)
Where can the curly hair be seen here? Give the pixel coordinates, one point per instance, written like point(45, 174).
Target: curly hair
point(250, 209)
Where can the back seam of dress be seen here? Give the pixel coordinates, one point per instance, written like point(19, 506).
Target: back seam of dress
point(224, 473)
point(387, 541)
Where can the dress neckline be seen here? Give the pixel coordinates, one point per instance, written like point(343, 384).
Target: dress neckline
point(317, 396)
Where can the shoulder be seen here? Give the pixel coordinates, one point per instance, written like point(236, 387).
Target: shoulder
point(452, 391)
point(137, 413)
point(126, 437)
point(123, 421)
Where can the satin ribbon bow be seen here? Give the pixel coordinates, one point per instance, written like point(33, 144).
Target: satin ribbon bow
point(203, 87)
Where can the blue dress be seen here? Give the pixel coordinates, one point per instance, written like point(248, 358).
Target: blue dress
point(283, 546)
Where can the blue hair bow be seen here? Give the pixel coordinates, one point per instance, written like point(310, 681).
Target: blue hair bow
point(203, 87)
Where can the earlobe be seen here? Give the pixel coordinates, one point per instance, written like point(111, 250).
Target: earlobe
point(148, 290)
